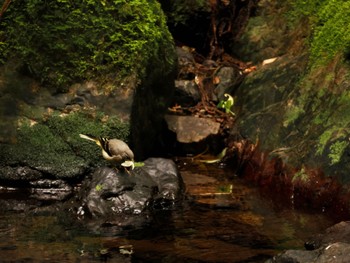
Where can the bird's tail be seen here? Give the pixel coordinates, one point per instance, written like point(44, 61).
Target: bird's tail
point(89, 137)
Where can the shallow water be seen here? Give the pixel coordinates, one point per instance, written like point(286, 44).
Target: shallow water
point(223, 219)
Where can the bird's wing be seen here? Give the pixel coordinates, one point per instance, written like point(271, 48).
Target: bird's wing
point(105, 144)
point(120, 149)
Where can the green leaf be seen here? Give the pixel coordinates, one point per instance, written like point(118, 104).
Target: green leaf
point(227, 104)
point(139, 164)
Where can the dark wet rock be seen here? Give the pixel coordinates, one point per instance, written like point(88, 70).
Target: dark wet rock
point(337, 233)
point(190, 129)
point(229, 78)
point(47, 189)
point(333, 253)
point(331, 247)
point(185, 57)
point(186, 92)
point(168, 180)
point(111, 192)
point(20, 173)
point(294, 256)
point(117, 102)
point(210, 63)
point(51, 194)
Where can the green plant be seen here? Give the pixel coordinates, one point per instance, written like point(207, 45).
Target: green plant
point(227, 104)
point(139, 164)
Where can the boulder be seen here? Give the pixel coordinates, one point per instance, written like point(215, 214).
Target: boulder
point(333, 253)
point(190, 129)
point(186, 92)
point(229, 78)
point(332, 246)
point(338, 233)
point(110, 193)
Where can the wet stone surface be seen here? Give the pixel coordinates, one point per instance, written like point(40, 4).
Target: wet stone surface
point(112, 192)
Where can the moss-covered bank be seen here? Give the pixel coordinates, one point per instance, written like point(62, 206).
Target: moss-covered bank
point(299, 106)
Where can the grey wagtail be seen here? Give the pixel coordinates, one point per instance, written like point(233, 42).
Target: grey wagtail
point(113, 150)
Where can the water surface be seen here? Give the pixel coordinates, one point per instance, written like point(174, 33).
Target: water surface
point(222, 219)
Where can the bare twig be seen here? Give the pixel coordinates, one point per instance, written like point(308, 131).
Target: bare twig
point(4, 7)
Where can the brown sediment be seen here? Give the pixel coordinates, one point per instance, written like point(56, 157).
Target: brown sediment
point(311, 190)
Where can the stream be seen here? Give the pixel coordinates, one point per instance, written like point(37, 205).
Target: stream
point(222, 219)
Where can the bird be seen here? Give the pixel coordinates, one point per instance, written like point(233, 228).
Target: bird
point(113, 150)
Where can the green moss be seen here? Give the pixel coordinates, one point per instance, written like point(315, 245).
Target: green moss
point(320, 118)
point(3, 50)
point(55, 148)
point(292, 113)
point(336, 151)
point(323, 140)
point(181, 11)
point(38, 148)
point(330, 22)
point(69, 127)
point(65, 41)
point(329, 136)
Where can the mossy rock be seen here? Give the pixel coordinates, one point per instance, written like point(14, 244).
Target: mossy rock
point(105, 42)
point(54, 148)
point(62, 42)
point(264, 100)
point(300, 110)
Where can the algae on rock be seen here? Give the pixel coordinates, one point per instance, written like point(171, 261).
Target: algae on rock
point(299, 108)
point(54, 148)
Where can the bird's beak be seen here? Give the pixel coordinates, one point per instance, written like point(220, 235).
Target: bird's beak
point(129, 164)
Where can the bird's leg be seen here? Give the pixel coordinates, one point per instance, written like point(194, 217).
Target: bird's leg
point(126, 170)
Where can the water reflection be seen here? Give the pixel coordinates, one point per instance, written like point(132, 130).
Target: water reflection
point(221, 220)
